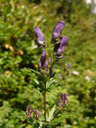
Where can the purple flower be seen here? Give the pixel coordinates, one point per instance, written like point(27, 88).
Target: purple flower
point(60, 104)
point(42, 59)
point(36, 114)
point(58, 29)
point(39, 36)
point(65, 99)
point(50, 59)
point(59, 48)
point(28, 111)
point(50, 71)
point(44, 62)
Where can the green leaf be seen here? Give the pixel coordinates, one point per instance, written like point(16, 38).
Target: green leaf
point(50, 82)
point(35, 71)
point(51, 113)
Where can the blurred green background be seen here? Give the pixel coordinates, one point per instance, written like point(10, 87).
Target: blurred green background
point(19, 52)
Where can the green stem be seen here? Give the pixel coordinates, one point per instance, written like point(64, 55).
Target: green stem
point(45, 103)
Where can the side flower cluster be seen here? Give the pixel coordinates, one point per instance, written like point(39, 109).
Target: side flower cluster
point(63, 99)
point(29, 112)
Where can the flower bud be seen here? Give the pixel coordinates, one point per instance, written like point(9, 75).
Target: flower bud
point(58, 29)
point(50, 71)
point(28, 111)
point(45, 63)
point(65, 99)
point(42, 59)
point(39, 36)
point(60, 104)
point(36, 114)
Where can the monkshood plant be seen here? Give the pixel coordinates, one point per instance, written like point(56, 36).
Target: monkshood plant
point(46, 75)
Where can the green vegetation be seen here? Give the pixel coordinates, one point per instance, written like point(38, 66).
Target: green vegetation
point(19, 53)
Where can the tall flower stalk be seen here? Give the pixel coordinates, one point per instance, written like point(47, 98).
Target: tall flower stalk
point(45, 102)
point(45, 68)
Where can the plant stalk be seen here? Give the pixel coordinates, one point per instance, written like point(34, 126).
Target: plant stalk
point(45, 103)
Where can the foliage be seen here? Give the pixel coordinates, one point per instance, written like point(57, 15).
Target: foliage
point(19, 53)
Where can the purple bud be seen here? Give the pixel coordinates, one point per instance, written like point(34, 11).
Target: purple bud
point(42, 59)
point(50, 71)
point(39, 36)
point(36, 114)
point(44, 64)
point(50, 59)
point(59, 48)
point(28, 111)
point(60, 104)
point(65, 99)
point(58, 29)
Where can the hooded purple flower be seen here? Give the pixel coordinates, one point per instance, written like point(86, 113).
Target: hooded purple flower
point(44, 62)
point(60, 104)
point(65, 99)
point(36, 114)
point(59, 48)
point(28, 111)
point(58, 29)
point(39, 36)
point(42, 59)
